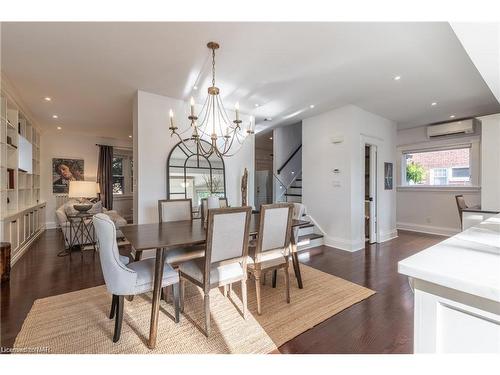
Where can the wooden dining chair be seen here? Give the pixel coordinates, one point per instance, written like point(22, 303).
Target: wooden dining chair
point(225, 256)
point(179, 210)
point(204, 206)
point(272, 248)
point(461, 205)
point(127, 279)
point(299, 211)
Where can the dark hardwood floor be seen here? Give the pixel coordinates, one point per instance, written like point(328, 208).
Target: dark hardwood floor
point(381, 324)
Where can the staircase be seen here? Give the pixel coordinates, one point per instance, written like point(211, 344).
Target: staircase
point(294, 192)
point(289, 186)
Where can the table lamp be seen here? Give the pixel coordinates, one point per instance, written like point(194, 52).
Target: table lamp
point(81, 190)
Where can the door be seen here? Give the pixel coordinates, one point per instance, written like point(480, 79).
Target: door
point(372, 195)
point(263, 188)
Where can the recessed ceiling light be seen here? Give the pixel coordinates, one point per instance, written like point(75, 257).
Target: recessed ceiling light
point(271, 138)
point(130, 136)
point(256, 105)
point(452, 116)
point(55, 116)
point(47, 98)
point(195, 87)
point(59, 128)
point(311, 106)
point(397, 78)
point(434, 103)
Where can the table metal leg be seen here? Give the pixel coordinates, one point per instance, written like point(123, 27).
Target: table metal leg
point(155, 309)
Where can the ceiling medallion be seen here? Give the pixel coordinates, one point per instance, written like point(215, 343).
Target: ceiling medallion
point(212, 124)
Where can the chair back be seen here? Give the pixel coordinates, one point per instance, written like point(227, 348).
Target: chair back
point(461, 205)
point(227, 237)
point(275, 226)
point(175, 210)
point(204, 206)
point(117, 276)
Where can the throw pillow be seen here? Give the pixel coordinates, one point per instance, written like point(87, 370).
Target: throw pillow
point(96, 208)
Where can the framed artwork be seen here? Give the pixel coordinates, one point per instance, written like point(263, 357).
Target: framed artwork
point(388, 176)
point(66, 170)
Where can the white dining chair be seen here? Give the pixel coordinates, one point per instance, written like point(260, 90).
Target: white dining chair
point(271, 250)
point(204, 206)
point(225, 256)
point(178, 210)
point(127, 279)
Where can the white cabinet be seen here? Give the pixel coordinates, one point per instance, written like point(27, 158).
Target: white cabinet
point(22, 228)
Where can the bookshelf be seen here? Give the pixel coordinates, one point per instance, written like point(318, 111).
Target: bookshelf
point(22, 213)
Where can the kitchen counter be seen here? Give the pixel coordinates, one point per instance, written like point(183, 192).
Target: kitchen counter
point(457, 291)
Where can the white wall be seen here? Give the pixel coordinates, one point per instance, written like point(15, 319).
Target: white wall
point(433, 210)
point(152, 144)
point(336, 201)
point(490, 158)
point(57, 144)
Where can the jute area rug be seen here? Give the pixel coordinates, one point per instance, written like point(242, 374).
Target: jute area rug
point(78, 322)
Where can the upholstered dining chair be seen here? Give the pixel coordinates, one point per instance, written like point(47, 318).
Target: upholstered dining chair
point(461, 205)
point(179, 210)
point(225, 256)
point(204, 206)
point(272, 248)
point(127, 279)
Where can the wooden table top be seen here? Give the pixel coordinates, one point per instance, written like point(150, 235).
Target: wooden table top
point(176, 234)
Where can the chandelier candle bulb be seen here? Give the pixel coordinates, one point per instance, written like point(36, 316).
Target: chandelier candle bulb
point(192, 106)
point(237, 109)
point(171, 115)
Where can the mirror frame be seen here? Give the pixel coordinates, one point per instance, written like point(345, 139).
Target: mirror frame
point(188, 157)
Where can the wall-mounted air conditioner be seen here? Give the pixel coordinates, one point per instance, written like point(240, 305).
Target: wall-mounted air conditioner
point(452, 128)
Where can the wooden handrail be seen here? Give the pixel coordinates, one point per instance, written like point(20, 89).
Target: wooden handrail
point(290, 158)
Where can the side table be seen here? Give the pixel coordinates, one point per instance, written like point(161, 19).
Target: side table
point(81, 231)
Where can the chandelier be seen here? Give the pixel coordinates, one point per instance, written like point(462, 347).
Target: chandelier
point(212, 131)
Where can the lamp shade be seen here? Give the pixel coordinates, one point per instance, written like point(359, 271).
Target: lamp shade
point(82, 189)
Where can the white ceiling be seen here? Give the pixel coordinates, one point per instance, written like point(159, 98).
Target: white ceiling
point(92, 70)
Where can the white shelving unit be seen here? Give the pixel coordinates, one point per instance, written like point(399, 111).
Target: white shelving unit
point(22, 214)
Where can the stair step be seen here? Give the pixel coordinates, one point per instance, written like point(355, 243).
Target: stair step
point(309, 237)
point(292, 195)
point(298, 179)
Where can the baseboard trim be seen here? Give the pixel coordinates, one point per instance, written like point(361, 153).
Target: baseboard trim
point(51, 225)
point(384, 237)
point(343, 244)
point(428, 229)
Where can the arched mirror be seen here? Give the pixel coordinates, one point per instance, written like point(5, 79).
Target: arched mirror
point(194, 176)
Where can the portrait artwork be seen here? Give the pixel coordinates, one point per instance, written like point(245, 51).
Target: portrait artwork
point(64, 171)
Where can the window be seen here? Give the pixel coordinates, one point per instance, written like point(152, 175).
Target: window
point(448, 167)
point(439, 176)
point(122, 173)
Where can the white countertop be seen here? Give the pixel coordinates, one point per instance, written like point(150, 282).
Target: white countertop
point(468, 261)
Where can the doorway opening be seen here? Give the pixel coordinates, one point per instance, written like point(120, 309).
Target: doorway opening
point(263, 168)
point(370, 193)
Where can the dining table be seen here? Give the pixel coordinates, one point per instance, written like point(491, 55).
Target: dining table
point(167, 236)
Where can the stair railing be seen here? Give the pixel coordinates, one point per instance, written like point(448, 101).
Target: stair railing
point(288, 173)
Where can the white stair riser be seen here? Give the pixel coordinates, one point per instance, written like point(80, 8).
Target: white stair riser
point(294, 199)
point(304, 231)
point(294, 191)
point(308, 244)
